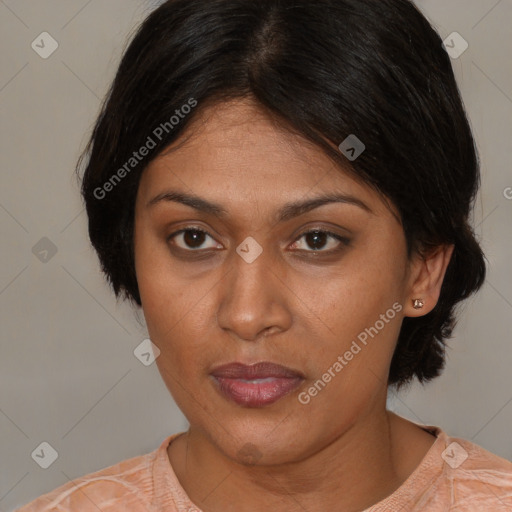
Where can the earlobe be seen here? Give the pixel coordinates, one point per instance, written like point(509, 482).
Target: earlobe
point(427, 280)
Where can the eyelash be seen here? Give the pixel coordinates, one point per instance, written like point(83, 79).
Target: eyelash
point(343, 240)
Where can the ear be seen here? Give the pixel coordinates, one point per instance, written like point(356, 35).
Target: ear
point(426, 278)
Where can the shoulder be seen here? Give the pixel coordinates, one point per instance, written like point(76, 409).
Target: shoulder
point(477, 478)
point(127, 485)
point(455, 475)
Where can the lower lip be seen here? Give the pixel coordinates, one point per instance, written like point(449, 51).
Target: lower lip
point(259, 393)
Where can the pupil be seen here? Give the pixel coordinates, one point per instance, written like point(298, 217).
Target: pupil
point(192, 237)
point(316, 236)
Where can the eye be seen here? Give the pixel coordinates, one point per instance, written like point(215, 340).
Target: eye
point(191, 239)
point(317, 240)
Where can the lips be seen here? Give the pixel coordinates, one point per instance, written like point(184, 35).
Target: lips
point(255, 385)
point(261, 370)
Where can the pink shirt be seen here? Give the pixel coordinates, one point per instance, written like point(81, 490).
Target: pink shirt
point(455, 475)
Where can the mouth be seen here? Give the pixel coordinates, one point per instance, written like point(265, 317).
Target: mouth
point(255, 385)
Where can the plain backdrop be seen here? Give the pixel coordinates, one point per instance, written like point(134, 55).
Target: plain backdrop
point(68, 373)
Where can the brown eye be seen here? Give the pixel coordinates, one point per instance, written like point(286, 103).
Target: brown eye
point(191, 239)
point(316, 241)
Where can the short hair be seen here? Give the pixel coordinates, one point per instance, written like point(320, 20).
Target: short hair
point(324, 70)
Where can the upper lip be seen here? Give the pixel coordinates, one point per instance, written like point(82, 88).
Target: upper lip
point(259, 370)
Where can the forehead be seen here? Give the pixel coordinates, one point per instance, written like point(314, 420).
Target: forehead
point(235, 152)
point(238, 135)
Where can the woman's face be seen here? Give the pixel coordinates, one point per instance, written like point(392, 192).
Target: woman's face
point(328, 308)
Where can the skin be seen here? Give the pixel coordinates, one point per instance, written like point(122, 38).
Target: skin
point(294, 305)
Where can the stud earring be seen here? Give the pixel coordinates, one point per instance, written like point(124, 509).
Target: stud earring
point(418, 303)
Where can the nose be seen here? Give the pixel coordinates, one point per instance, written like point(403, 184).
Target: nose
point(254, 299)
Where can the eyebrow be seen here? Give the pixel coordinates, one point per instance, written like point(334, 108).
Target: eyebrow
point(287, 212)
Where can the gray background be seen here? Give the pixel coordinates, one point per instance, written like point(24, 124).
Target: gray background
point(68, 374)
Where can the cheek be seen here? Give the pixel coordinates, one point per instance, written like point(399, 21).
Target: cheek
point(365, 285)
point(357, 314)
point(161, 300)
point(177, 309)
point(153, 266)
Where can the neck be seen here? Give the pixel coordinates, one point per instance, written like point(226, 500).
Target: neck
point(356, 469)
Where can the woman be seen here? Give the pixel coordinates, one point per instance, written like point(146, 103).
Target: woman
point(284, 187)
